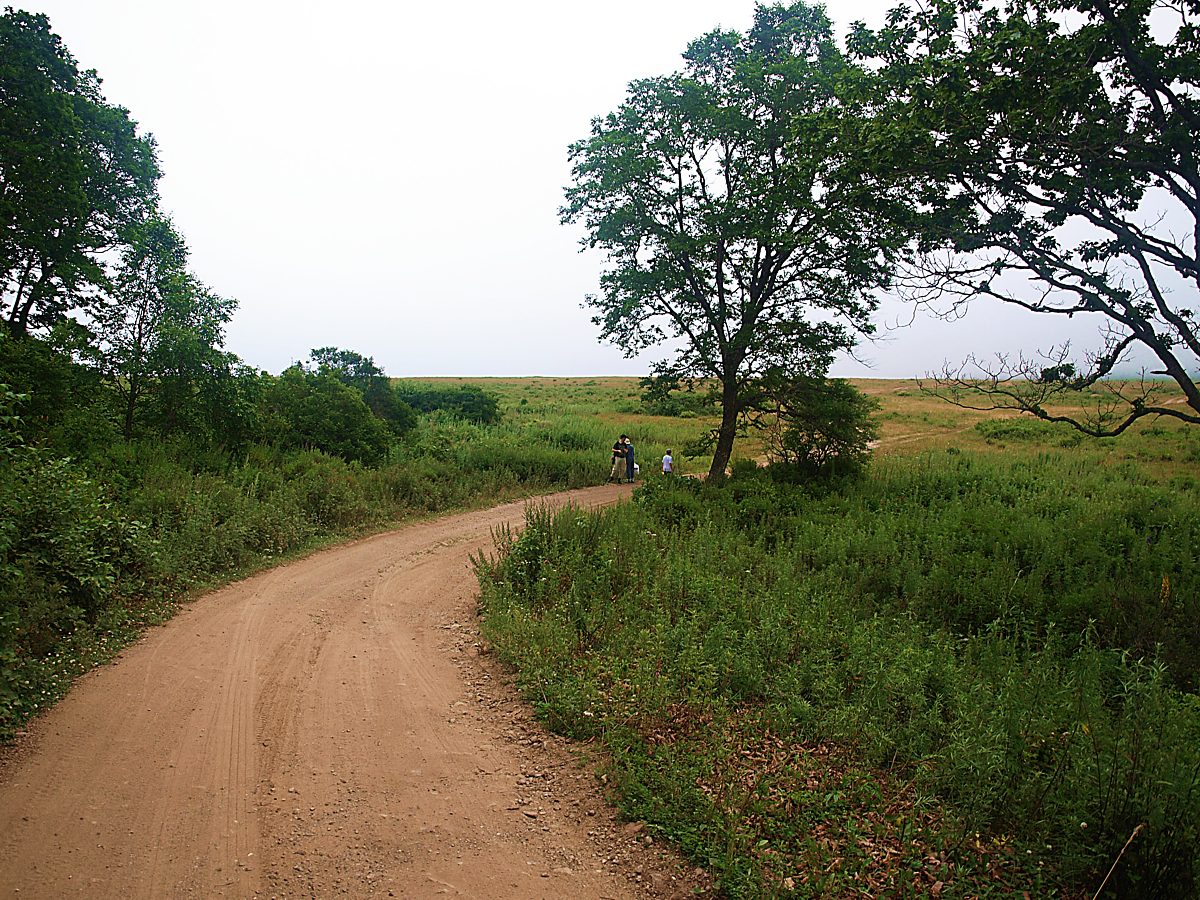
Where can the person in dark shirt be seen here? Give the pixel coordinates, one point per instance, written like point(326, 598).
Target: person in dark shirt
point(618, 459)
point(629, 459)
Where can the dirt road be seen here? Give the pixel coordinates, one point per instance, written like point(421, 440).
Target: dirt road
point(327, 728)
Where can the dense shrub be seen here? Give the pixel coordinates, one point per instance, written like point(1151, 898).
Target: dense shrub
point(360, 373)
point(318, 411)
point(68, 559)
point(384, 400)
point(466, 401)
point(822, 429)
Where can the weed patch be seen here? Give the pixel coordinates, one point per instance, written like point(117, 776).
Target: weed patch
point(920, 680)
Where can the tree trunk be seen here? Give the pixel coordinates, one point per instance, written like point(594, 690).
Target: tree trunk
point(41, 288)
point(727, 432)
point(18, 298)
point(130, 405)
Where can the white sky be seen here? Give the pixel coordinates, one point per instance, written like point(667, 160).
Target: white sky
point(386, 177)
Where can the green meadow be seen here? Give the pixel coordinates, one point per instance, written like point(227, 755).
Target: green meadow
point(971, 672)
point(583, 414)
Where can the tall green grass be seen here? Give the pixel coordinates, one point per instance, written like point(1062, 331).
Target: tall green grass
point(95, 546)
point(965, 670)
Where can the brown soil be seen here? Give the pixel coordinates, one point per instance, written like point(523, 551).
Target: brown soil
point(333, 727)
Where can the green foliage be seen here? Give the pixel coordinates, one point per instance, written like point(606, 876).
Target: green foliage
point(822, 428)
point(159, 339)
point(353, 369)
point(53, 387)
point(10, 436)
point(75, 172)
point(378, 392)
point(465, 401)
point(64, 547)
point(1044, 151)
point(383, 399)
point(67, 557)
point(317, 410)
point(1013, 642)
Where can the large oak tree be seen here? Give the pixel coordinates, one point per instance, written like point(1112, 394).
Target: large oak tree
point(716, 194)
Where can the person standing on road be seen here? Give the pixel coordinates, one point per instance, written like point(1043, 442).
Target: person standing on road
point(618, 459)
point(668, 463)
point(628, 459)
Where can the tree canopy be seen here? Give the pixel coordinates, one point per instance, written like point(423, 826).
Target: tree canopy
point(360, 372)
point(1053, 151)
point(74, 175)
point(316, 410)
point(718, 195)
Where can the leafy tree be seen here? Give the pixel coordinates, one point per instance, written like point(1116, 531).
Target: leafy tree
point(161, 334)
point(349, 367)
point(153, 267)
point(74, 173)
point(718, 196)
point(232, 404)
point(316, 410)
point(361, 373)
point(1053, 150)
point(193, 371)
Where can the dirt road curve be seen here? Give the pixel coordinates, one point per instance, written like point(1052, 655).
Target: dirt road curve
point(324, 729)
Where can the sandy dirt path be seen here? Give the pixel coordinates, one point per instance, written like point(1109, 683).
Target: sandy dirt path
point(327, 728)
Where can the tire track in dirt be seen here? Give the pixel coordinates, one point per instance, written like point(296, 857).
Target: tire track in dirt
point(317, 730)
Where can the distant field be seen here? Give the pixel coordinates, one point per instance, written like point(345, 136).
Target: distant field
point(597, 410)
point(910, 421)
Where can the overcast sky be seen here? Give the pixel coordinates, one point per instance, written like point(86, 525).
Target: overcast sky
point(385, 177)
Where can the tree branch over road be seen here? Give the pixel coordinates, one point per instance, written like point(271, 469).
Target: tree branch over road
point(1052, 158)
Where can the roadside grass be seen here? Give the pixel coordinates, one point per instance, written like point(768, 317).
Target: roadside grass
point(95, 547)
point(970, 674)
